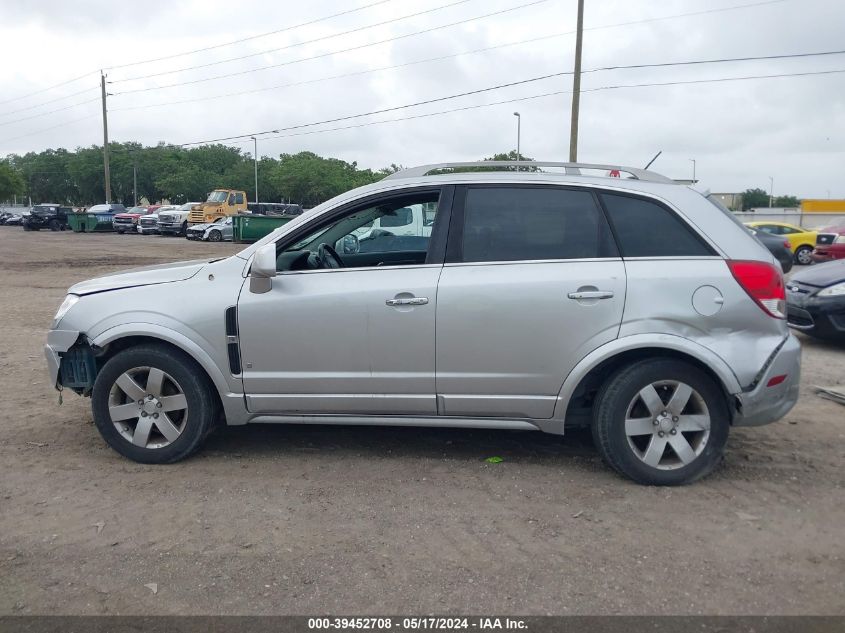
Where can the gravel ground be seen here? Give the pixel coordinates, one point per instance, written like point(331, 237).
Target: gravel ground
point(304, 520)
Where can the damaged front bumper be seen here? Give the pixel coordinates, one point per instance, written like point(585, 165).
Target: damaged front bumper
point(58, 342)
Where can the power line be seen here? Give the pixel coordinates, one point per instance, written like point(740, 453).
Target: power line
point(199, 50)
point(43, 103)
point(519, 100)
point(40, 114)
point(346, 50)
point(442, 57)
point(295, 44)
point(383, 110)
point(251, 37)
point(548, 94)
point(63, 124)
point(58, 85)
point(429, 30)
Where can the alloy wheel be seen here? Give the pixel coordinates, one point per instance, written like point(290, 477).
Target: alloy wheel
point(148, 407)
point(667, 424)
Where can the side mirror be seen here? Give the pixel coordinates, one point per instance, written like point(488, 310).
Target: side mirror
point(263, 269)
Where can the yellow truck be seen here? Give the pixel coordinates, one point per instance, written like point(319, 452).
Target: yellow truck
point(221, 203)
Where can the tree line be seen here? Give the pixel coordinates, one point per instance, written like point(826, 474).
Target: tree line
point(176, 174)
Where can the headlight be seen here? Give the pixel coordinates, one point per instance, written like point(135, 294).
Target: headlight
point(837, 290)
point(67, 304)
point(840, 239)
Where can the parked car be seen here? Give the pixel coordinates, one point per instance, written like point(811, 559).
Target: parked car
point(218, 231)
point(128, 222)
point(175, 222)
point(830, 244)
point(778, 246)
point(801, 240)
point(631, 305)
point(148, 224)
point(11, 217)
point(816, 301)
point(46, 216)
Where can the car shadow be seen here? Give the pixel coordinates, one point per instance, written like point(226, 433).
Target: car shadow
point(263, 440)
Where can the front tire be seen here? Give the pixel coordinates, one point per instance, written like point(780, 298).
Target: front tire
point(661, 422)
point(153, 404)
point(215, 236)
point(804, 255)
point(184, 230)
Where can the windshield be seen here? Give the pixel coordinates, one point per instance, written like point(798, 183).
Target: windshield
point(137, 210)
point(217, 196)
point(188, 206)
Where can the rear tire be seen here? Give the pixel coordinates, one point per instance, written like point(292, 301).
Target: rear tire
point(648, 429)
point(126, 398)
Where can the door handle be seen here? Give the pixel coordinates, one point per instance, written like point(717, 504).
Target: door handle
point(591, 294)
point(409, 301)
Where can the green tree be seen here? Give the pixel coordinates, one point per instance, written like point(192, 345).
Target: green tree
point(753, 198)
point(11, 183)
point(787, 201)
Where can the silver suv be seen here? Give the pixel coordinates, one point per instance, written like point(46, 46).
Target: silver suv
point(479, 295)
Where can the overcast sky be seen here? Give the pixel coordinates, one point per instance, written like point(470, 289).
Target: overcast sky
point(740, 132)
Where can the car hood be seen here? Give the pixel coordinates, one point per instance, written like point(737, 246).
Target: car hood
point(148, 275)
point(134, 216)
point(200, 227)
point(820, 275)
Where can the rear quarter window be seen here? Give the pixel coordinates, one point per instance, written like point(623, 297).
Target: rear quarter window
point(647, 229)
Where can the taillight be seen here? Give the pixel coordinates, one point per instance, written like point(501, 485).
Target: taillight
point(764, 283)
point(787, 245)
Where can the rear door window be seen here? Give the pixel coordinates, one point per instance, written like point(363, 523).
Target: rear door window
point(533, 223)
point(647, 229)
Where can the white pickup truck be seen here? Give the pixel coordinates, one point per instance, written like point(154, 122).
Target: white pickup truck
point(387, 232)
point(175, 221)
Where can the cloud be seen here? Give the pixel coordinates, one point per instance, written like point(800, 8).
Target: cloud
point(740, 133)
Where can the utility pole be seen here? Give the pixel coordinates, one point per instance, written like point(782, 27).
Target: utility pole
point(135, 180)
point(576, 87)
point(105, 138)
point(771, 190)
point(518, 133)
point(692, 160)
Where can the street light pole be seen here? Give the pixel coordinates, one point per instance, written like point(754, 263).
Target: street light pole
point(255, 157)
point(771, 190)
point(518, 133)
point(693, 170)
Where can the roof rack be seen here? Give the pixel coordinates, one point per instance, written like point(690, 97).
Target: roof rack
point(572, 169)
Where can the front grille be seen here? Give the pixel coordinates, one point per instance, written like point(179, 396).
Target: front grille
point(825, 238)
point(167, 218)
point(123, 221)
point(799, 317)
point(148, 222)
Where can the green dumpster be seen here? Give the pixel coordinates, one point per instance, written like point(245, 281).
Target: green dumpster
point(252, 227)
point(90, 222)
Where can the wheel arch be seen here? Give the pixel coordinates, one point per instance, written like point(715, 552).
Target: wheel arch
point(574, 403)
point(124, 336)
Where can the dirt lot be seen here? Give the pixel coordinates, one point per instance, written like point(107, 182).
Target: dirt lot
point(371, 520)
